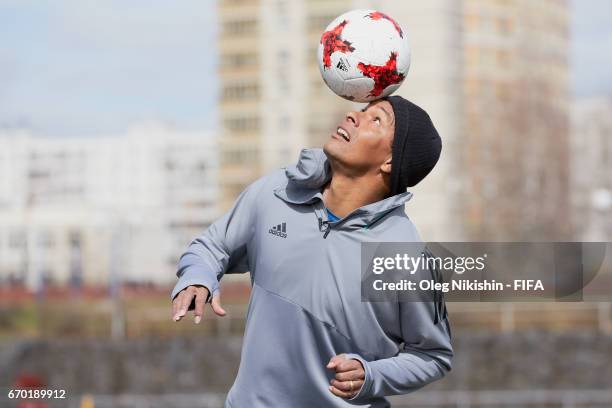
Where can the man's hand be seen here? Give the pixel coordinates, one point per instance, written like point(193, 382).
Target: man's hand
point(181, 303)
point(350, 376)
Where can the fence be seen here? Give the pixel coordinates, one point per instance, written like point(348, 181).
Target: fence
point(501, 317)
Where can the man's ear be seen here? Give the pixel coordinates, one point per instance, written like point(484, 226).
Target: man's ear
point(386, 166)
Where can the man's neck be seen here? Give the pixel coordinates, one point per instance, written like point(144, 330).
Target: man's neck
point(342, 195)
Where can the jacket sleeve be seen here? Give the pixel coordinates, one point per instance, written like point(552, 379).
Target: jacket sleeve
point(222, 248)
point(424, 357)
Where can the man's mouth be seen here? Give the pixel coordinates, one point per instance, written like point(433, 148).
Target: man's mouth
point(343, 133)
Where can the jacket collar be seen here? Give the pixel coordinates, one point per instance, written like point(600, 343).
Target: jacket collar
point(312, 172)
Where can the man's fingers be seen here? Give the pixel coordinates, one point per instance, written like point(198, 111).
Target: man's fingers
point(181, 303)
point(340, 393)
point(175, 303)
point(348, 365)
point(176, 306)
point(200, 299)
point(216, 305)
point(335, 360)
point(350, 375)
point(346, 386)
point(185, 301)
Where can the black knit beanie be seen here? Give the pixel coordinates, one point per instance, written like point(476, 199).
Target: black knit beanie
point(416, 145)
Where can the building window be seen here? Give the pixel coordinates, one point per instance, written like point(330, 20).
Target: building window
point(239, 60)
point(240, 91)
point(242, 124)
point(503, 58)
point(319, 22)
point(242, 156)
point(472, 55)
point(472, 20)
point(505, 26)
point(240, 27)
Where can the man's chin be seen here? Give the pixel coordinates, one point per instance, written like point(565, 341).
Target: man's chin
point(328, 147)
point(332, 149)
point(336, 153)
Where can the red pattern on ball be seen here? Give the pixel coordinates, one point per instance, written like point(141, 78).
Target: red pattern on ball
point(377, 15)
point(383, 76)
point(332, 41)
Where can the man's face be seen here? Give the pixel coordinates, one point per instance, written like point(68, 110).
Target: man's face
point(362, 142)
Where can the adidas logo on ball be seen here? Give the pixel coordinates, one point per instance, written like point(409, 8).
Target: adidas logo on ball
point(342, 66)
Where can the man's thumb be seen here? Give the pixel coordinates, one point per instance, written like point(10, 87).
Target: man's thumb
point(334, 361)
point(216, 306)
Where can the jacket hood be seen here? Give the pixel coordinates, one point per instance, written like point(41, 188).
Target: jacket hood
point(312, 171)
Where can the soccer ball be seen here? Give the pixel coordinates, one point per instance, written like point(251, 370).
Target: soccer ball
point(363, 55)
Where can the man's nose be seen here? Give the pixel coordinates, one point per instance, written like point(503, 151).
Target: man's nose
point(353, 117)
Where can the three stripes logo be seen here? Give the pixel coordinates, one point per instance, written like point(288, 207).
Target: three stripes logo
point(279, 230)
point(341, 65)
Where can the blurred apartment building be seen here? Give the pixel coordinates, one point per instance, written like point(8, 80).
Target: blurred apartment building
point(516, 119)
point(493, 74)
point(592, 168)
point(104, 209)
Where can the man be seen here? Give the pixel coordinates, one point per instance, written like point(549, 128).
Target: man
point(309, 339)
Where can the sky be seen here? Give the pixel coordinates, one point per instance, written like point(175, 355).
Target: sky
point(70, 67)
point(91, 67)
point(591, 51)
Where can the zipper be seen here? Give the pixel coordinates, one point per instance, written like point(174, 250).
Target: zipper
point(324, 226)
point(324, 223)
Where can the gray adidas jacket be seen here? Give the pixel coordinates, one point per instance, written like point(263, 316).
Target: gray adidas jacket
point(305, 304)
